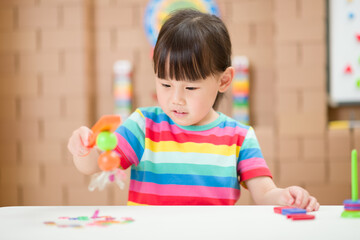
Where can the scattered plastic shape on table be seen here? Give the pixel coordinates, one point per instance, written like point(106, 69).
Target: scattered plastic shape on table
point(279, 209)
point(84, 221)
point(287, 211)
point(300, 216)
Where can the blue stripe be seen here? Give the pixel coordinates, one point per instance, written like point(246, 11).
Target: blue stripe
point(250, 153)
point(184, 179)
point(132, 140)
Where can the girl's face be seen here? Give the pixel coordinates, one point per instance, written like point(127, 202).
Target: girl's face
point(188, 103)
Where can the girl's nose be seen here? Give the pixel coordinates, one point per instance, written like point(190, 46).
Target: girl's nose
point(178, 97)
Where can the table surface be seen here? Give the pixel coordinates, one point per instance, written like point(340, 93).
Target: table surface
point(176, 222)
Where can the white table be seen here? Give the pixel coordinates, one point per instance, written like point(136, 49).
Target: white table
point(179, 222)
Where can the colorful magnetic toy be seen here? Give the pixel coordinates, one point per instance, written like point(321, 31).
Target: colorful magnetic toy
point(109, 161)
point(352, 206)
point(294, 213)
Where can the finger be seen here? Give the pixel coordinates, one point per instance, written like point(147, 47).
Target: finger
point(305, 199)
point(311, 204)
point(297, 194)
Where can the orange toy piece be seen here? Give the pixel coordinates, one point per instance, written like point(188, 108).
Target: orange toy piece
point(105, 123)
point(108, 161)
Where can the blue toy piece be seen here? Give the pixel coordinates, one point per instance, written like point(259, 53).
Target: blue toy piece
point(287, 211)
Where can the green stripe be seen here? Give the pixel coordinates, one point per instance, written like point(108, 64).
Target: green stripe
point(136, 130)
point(250, 143)
point(181, 168)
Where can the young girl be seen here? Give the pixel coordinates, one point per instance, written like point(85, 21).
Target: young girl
point(184, 152)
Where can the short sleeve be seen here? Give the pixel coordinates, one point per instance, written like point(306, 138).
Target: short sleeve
point(131, 139)
point(251, 162)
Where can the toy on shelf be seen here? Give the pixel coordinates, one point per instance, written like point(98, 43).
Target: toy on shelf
point(352, 206)
point(109, 161)
point(240, 89)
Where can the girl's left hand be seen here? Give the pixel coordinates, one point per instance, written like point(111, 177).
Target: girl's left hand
point(298, 197)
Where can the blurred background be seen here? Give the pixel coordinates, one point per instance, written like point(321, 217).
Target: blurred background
point(56, 74)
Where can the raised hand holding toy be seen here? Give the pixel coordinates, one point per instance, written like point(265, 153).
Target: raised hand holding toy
point(108, 161)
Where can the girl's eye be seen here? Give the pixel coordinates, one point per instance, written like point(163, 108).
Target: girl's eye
point(191, 88)
point(165, 85)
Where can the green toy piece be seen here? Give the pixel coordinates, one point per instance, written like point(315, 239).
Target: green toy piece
point(106, 141)
point(354, 202)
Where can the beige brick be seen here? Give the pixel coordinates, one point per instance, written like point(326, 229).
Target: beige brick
point(105, 105)
point(106, 59)
point(83, 197)
point(9, 153)
point(34, 152)
point(301, 77)
point(76, 107)
point(20, 175)
point(314, 149)
point(314, 101)
point(356, 139)
point(59, 175)
point(302, 124)
point(130, 38)
point(285, 10)
point(265, 136)
point(340, 172)
point(58, 85)
point(6, 18)
point(75, 62)
point(264, 33)
point(287, 102)
point(18, 85)
point(9, 196)
point(262, 55)
point(286, 54)
point(330, 194)
point(39, 63)
point(252, 11)
point(313, 54)
point(74, 17)
point(62, 129)
point(42, 196)
point(62, 2)
point(239, 33)
point(300, 30)
point(339, 145)
point(263, 102)
point(104, 40)
point(262, 80)
point(16, 130)
point(262, 119)
point(114, 17)
point(302, 172)
point(40, 108)
point(7, 65)
point(289, 149)
point(16, 3)
point(62, 40)
point(18, 41)
point(311, 9)
point(39, 17)
point(8, 108)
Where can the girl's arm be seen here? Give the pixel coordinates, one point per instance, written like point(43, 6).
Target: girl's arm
point(264, 192)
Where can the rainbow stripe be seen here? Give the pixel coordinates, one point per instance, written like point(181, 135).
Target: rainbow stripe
point(193, 165)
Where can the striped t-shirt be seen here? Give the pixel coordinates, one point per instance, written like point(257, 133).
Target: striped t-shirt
point(187, 165)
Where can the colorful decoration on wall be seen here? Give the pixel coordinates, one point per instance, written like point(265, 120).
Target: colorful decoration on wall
point(122, 88)
point(85, 221)
point(344, 52)
point(157, 12)
point(240, 89)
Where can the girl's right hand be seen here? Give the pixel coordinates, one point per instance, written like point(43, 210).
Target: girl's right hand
point(79, 141)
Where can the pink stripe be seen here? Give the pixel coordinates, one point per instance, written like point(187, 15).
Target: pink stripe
point(184, 190)
point(127, 149)
point(251, 163)
point(217, 131)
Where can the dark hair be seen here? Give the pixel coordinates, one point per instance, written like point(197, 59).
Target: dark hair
point(192, 45)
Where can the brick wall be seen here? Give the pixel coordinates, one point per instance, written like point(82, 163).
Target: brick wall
point(56, 59)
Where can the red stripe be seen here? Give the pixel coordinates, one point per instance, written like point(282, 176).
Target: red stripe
point(184, 137)
point(258, 172)
point(151, 199)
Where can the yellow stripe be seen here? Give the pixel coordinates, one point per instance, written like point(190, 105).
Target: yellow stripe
point(171, 146)
point(129, 203)
point(139, 112)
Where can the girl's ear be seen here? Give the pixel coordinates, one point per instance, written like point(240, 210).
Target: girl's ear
point(226, 79)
